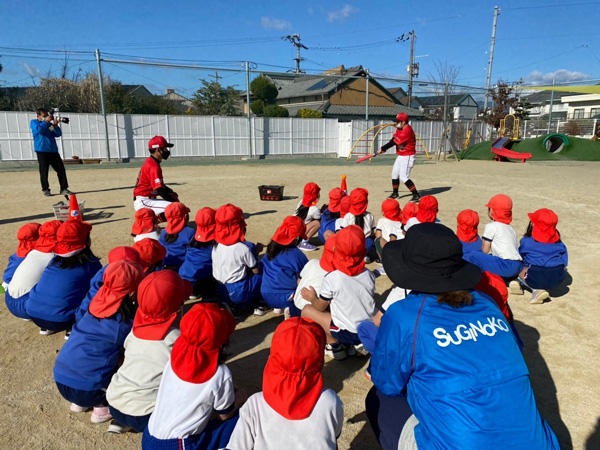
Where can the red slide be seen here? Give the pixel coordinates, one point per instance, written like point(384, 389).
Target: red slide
point(501, 152)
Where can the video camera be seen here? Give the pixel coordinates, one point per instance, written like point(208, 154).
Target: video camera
point(54, 113)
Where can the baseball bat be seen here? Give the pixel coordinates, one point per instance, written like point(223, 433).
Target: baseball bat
point(364, 158)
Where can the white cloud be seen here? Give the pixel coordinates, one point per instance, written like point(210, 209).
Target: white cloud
point(339, 15)
point(560, 76)
point(271, 23)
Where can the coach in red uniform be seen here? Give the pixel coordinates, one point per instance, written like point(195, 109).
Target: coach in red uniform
point(150, 183)
point(404, 141)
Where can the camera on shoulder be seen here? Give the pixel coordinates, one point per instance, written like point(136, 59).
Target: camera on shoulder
point(55, 114)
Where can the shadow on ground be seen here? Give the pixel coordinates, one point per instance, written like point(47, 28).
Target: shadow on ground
point(88, 215)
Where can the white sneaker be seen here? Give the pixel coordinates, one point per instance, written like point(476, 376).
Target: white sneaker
point(539, 296)
point(118, 428)
point(100, 414)
point(260, 310)
point(380, 271)
point(277, 311)
point(75, 408)
point(515, 288)
point(335, 351)
point(286, 313)
point(45, 332)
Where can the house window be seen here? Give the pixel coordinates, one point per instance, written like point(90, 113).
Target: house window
point(578, 113)
point(594, 112)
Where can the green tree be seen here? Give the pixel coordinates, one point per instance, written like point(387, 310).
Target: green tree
point(263, 89)
point(214, 99)
point(307, 113)
point(275, 111)
point(257, 107)
point(503, 98)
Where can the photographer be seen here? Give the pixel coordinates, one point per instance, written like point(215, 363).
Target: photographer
point(45, 129)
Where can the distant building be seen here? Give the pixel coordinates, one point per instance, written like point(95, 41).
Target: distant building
point(401, 95)
point(182, 103)
point(460, 106)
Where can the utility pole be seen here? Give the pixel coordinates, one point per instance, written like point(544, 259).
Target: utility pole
point(102, 103)
point(295, 41)
point(411, 66)
point(216, 76)
point(551, 104)
point(491, 60)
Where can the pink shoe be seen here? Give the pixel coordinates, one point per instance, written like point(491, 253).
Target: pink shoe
point(100, 414)
point(75, 408)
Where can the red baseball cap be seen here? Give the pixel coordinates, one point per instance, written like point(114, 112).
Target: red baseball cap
point(158, 142)
point(292, 228)
point(402, 117)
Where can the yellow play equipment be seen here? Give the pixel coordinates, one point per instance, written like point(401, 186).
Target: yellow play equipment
point(515, 132)
point(367, 141)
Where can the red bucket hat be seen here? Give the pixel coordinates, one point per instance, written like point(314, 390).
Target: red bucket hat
point(124, 254)
point(359, 200)
point(544, 226)
point(231, 226)
point(410, 210)
point(293, 227)
point(391, 210)
point(120, 278)
point(468, 221)
point(27, 236)
point(335, 197)
point(350, 251)
point(326, 261)
point(160, 296)
point(428, 208)
point(293, 379)
point(144, 221)
point(501, 206)
point(205, 225)
point(176, 214)
point(71, 237)
point(151, 251)
point(204, 330)
point(494, 286)
point(47, 236)
point(311, 194)
point(344, 206)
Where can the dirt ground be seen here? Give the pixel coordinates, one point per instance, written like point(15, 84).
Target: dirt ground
point(561, 338)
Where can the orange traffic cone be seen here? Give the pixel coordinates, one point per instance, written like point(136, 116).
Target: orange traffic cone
point(74, 213)
point(344, 187)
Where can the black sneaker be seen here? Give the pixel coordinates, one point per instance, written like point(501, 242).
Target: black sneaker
point(66, 192)
point(415, 197)
point(46, 192)
point(393, 195)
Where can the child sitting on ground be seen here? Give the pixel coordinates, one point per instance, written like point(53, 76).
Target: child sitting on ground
point(426, 212)
point(145, 225)
point(544, 255)
point(409, 211)
point(151, 254)
point(330, 213)
point(90, 357)
point(467, 223)
point(294, 410)
point(308, 211)
point(344, 210)
point(26, 235)
point(389, 227)
point(358, 215)
point(132, 391)
point(347, 291)
point(196, 385)
point(176, 237)
point(282, 264)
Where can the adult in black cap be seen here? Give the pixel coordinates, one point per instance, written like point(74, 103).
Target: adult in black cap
point(447, 369)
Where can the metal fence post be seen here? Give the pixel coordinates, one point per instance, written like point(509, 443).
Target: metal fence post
point(103, 104)
point(117, 136)
point(214, 140)
point(248, 109)
point(367, 95)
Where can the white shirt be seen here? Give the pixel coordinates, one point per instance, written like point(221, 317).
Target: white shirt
point(339, 224)
point(183, 409)
point(311, 275)
point(231, 261)
point(132, 390)
point(390, 227)
point(503, 239)
point(29, 273)
point(152, 235)
point(351, 298)
point(395, 295)
point(410, 222)
point(349, 219)
point(314, 213)
point(260, 427)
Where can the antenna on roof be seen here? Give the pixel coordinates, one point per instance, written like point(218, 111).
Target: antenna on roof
point(295, 40)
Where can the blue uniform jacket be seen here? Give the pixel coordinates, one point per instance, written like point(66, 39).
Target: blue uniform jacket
point(59, 292)
point(13, 263)
point(470, 247)
point(95, 285)
point(466, 379)
point(90, 356)
point(327, 223)
point(197, 264)
point(44, 139)
point(176, 250)
point(280, 274)
point(536, 253)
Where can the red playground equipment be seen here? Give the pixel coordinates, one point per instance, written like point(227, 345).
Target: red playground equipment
point(501, 147)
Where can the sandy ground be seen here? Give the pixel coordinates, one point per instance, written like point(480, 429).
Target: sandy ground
point(561, 338)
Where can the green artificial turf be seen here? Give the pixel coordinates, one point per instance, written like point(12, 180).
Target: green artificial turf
point(577, 150)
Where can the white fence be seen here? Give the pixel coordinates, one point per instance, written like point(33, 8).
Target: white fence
point(208, 136)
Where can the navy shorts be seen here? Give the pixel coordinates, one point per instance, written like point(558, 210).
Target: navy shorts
point(343, 336)
point(137, 423)
point(539, 277)
point(87, 399)
point(53, 326)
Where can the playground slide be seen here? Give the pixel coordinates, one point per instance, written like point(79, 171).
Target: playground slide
point(502, 152)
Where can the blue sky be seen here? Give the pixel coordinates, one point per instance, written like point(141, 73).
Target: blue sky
point(536, 39)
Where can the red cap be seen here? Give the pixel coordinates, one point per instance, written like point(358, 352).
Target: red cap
point(335, 197)
point(359, 200)
point(544, 226)
point(144, 221)
point(176, 214)
point(74, 213)
point(501, 206)
point(468, 221)
point(311, 194)
point(158, 142)
point(391, 210)
point(160, 296)
point(71, 237)
point(151, 251)
point(344, 206)
point(495, 287)
point(326, 261)
point(292, 379)
point(124, 254)
point(292, 228)
point(401, 117)
point(231, 226)
point(350, 251)
point(205, 225)
point(119, 279)
point(428, 209)
point(27, 236)
point(47, 236)
point(204, 330)
point(409, 210)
